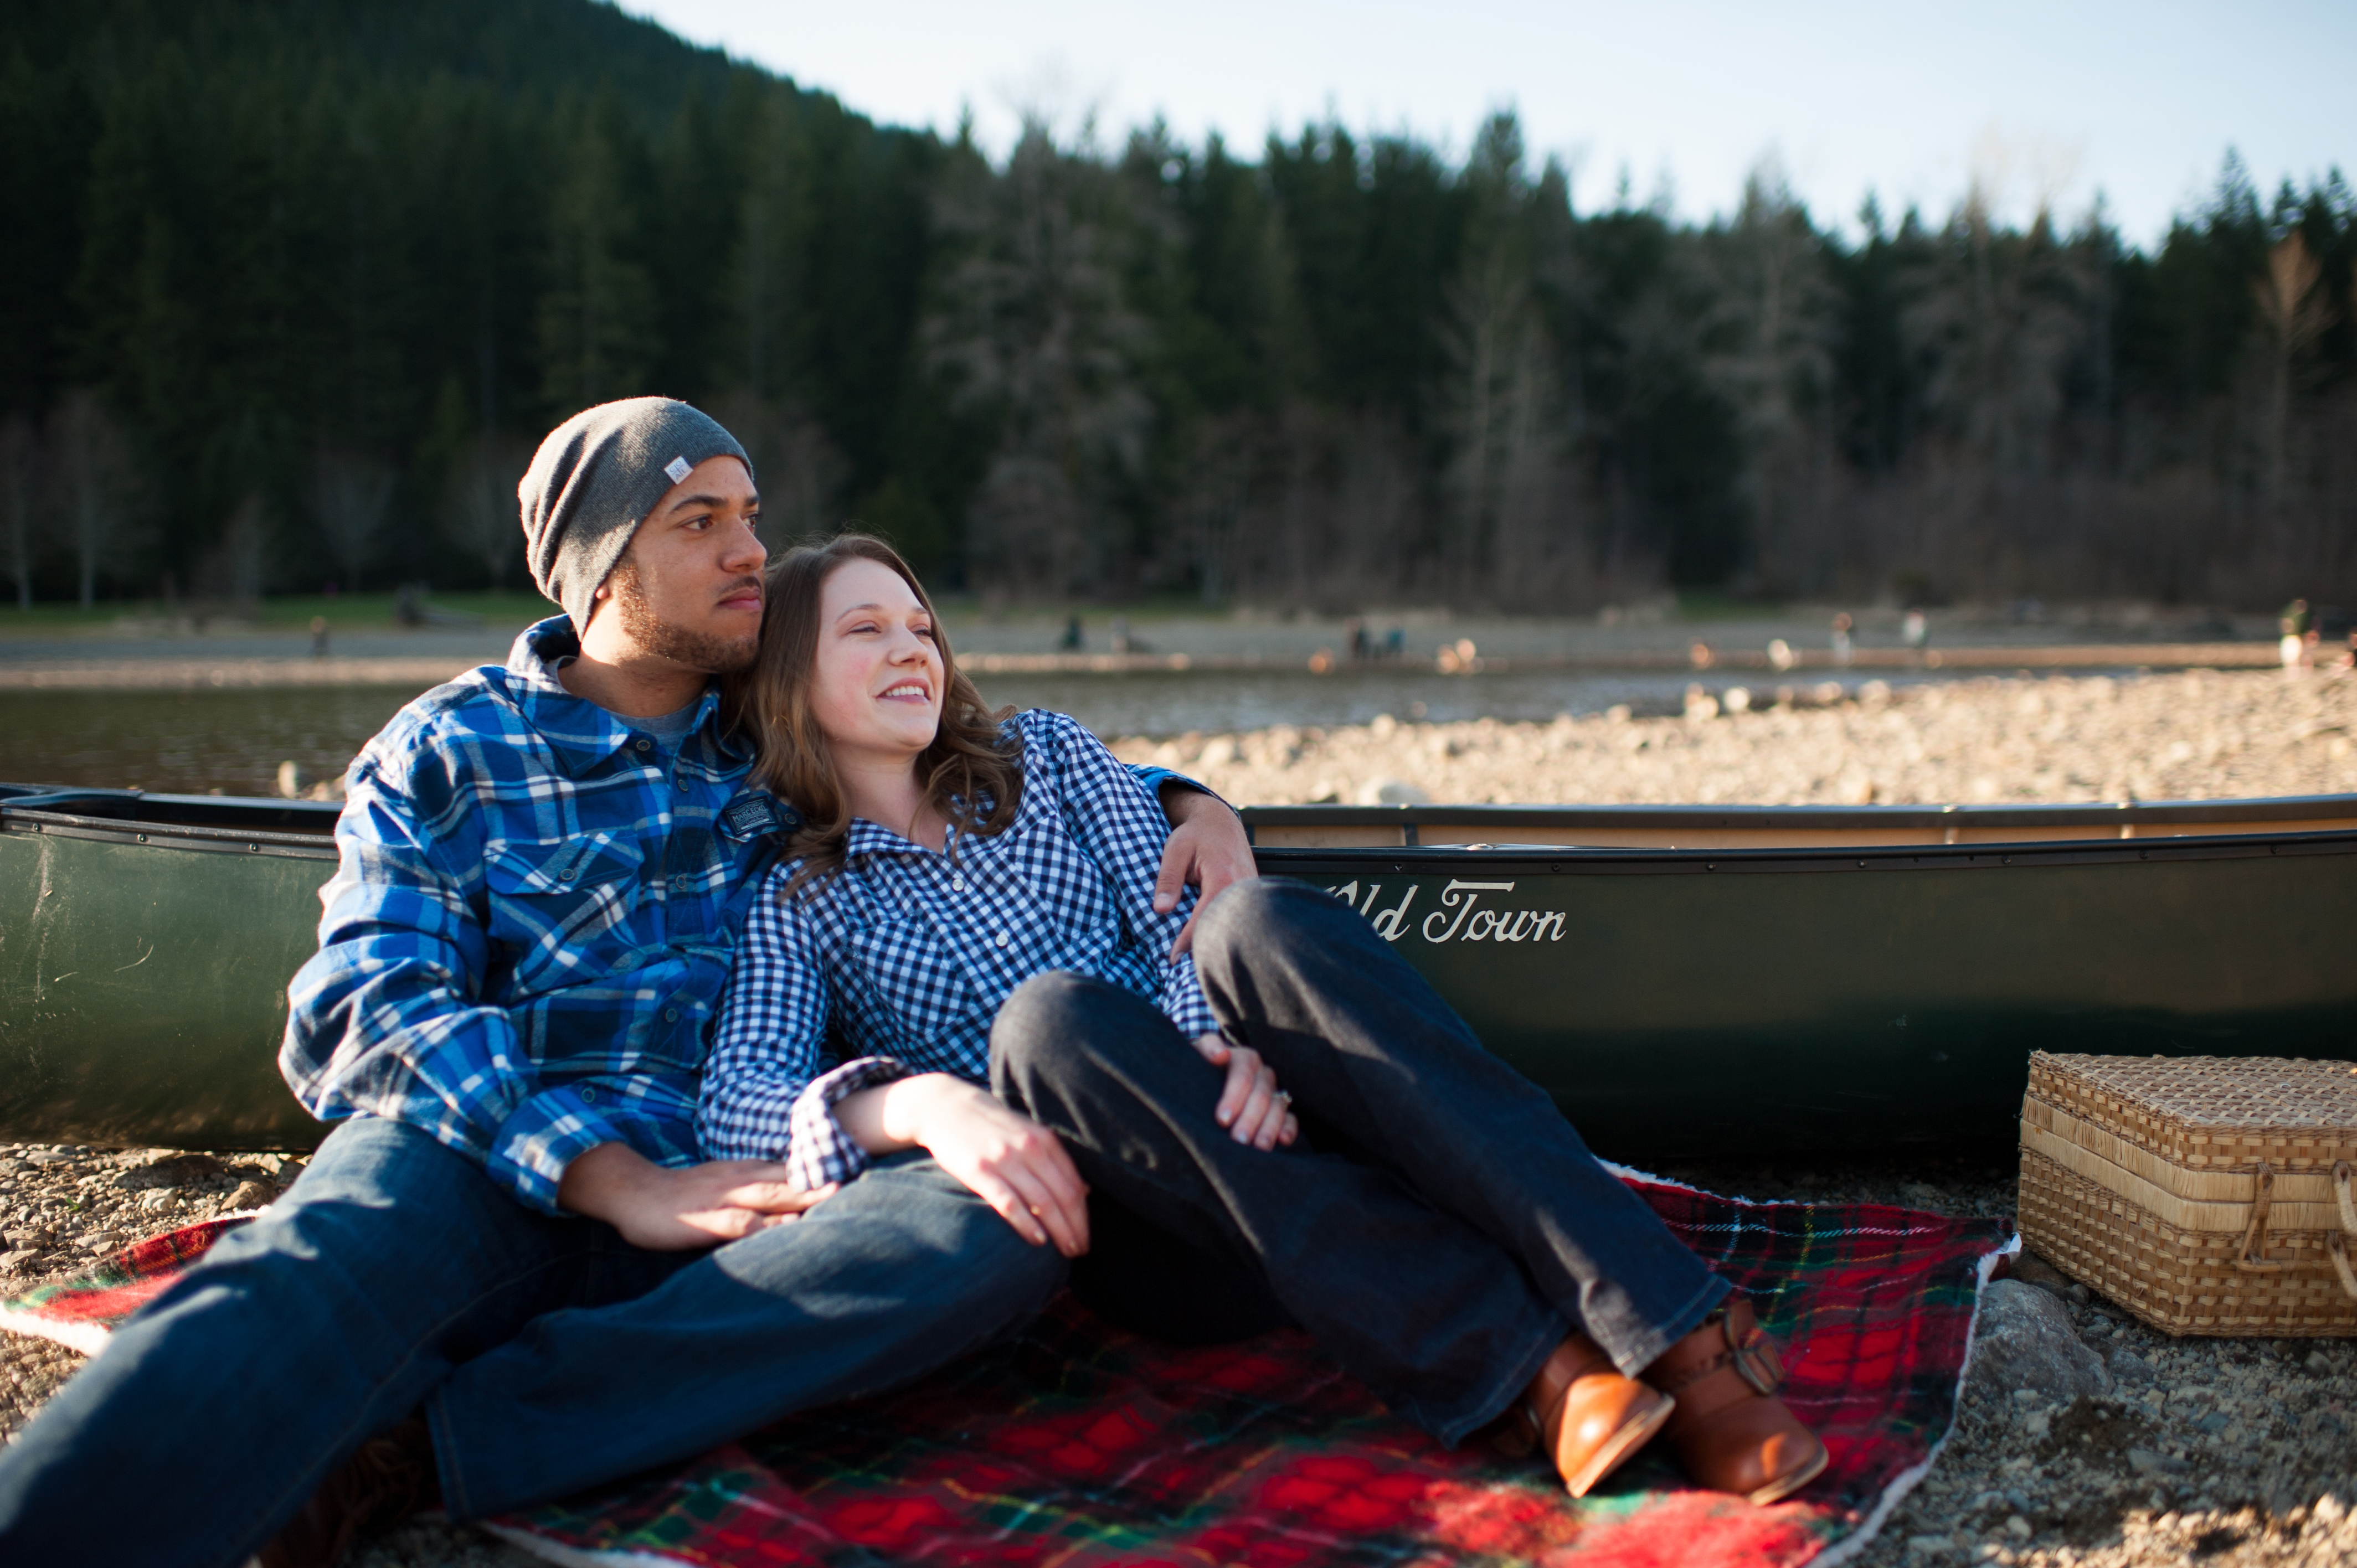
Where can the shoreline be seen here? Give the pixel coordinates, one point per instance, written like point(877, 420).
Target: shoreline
point(179, 671)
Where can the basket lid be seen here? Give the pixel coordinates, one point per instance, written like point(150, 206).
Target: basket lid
point(2209, 1111)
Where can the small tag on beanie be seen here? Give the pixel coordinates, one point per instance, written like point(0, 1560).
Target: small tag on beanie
point(678, 469)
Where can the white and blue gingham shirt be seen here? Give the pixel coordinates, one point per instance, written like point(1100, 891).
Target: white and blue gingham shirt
point(899, 963)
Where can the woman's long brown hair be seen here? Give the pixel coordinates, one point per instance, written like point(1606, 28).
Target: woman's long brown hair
point(973, 773)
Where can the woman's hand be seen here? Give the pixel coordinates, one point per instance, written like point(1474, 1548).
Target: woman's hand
point(1252, 1107)
point(667, 1210)
point(1207, 846)
point(1011, 1161)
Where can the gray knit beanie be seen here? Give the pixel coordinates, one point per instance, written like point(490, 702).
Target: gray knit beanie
point(594, 481)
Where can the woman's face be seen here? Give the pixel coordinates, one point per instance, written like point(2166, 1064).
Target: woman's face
point(876, 686)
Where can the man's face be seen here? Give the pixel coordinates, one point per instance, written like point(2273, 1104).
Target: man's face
point(689, 587)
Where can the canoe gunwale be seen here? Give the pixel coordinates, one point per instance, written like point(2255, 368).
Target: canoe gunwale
point(2104, 819)
point(1552, 860)
point(168, 835)
point(188, 821)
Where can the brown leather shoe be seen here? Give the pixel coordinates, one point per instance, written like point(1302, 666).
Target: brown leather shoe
point(1586, 1415)
point(1731, 1433)
point(391, 1478)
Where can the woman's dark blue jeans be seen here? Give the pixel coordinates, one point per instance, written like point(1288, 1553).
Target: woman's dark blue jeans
point(1440, 1227)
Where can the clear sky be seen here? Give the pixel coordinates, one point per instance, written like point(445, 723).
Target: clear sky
point(2137, 100)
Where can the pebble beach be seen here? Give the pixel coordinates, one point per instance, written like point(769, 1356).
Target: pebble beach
point(2123, 1447)
point(2202, 735)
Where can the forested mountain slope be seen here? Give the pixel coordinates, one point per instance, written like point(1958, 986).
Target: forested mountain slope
point(291, 289)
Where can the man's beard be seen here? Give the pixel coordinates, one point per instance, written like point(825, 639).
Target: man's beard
point(696, 649)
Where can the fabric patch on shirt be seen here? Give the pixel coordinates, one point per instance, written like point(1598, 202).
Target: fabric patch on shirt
point(679, 469)
point(760, 814)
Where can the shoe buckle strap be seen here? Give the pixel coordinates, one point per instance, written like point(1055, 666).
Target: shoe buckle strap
point(1750, 1351)
point(1515, 1435)
point(1756, 1359)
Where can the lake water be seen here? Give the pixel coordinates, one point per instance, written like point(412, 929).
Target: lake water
point(233, 741)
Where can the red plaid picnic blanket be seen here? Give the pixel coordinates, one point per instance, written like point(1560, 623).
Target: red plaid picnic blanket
point(79, 1312)
point(1076, 1445)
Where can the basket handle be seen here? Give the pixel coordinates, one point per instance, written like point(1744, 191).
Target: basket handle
point(2337, 1249)
point(2254, 1259)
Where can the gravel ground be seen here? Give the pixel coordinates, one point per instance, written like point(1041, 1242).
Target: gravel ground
point(2199, 736)
point(2209, 1451)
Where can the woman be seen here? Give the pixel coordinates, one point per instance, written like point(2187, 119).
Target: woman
point(970, 901)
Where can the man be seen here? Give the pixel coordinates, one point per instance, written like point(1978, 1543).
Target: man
point(507, 1274)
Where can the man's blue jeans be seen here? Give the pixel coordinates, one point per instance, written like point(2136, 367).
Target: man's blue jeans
point(1440, 1227)
point(549, 1354)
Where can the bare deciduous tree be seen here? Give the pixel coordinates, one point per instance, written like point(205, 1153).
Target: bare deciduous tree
point(21, 516)
point(1214, 488)
point(801, 472)
point(95, 470)
point(478, 503)
point(2295, 313)
point(234, 569)
point(350, 495)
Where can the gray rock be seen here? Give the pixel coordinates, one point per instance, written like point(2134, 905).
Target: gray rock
point(2128, 1368)
point(2024, 1340)
point(2145, 1462)
point(11, 1262)
point(172, 1170)
point(2032, 1269)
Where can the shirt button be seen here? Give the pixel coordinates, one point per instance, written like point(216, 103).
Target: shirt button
point(588, 1095)
point(957, 883)
point(683, 786)
point(671, 1015)
point(642, 743)
point(1002, 939)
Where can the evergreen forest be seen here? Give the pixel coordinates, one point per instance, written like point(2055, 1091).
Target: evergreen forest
point(292, 287)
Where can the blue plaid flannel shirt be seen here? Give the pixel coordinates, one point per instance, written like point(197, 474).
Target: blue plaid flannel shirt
point(899, 963)
point(532, 919)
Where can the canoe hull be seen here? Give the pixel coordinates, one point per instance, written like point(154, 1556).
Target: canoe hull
point(1751, 1003)
point(1674, 1002)
point(143, 990)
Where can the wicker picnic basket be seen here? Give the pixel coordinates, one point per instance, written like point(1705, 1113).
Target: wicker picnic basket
point(2206, 1194)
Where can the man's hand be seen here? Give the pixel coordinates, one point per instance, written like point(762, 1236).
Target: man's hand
point(667, 1210)
point(1252, 1107)
point(1207, 848)
point(1011, 1161)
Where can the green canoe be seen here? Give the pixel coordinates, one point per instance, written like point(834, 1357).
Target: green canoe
point(1684, 980)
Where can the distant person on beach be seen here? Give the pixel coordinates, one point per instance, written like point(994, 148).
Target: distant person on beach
point(509, 1272)
point(969, 916)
